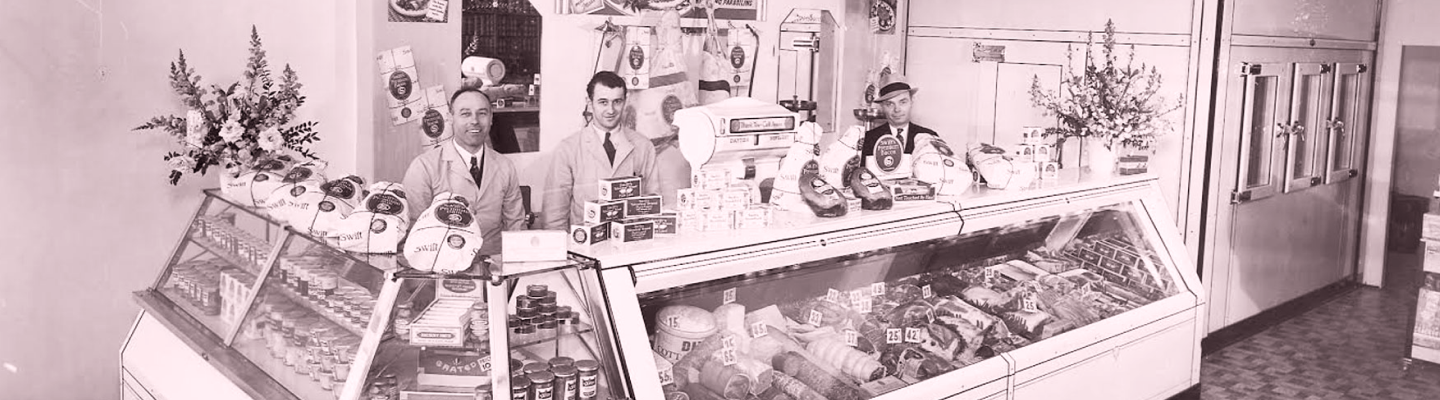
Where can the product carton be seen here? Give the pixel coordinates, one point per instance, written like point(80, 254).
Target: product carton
point(598, 212)
point(619, 188)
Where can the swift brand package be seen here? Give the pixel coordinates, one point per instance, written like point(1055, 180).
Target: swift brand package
point(632, 231)
point(643, 205)
point(910, 189)
point(530, 246)
point(666, 223)
point(378, 225)
point(619, 188)
point(446, 238)
point(590, 234)
point(597, 212)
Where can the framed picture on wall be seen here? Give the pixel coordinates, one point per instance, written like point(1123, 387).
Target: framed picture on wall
point(435, 11)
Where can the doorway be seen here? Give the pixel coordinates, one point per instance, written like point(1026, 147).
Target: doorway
point(1417, 165)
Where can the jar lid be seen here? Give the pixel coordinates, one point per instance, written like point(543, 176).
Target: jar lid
point(518, 383)
point(587, 365)
point(564, 371)
point(541, 377)
point(560, 361)
point(535, 367)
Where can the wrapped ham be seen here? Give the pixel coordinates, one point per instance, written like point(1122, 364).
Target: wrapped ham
point(798, 161)
point(253, 187)
point(841, 156)
point(831, 314)
point(445, 238)
point(377, 227)
point(295, 204)
point(935, 163)
point(318, 213)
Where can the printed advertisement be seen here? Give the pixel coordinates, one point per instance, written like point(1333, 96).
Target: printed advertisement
point(735, 10)
point(419, 10)
point(400, 83)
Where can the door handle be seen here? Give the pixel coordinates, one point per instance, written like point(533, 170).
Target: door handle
point(1354, 173)
point(1298, 131)
point(1315, 181)
point(1239, 197)
point(1282, 129)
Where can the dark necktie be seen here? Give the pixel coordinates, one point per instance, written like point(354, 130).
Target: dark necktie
point(900, 133)
point(609, 148)
point(475, 170)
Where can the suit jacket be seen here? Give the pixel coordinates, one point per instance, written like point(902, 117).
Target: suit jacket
point(867, 146)
point(496, 203)
point(579, 165)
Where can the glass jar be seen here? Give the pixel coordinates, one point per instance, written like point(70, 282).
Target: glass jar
point(295, 354)
point(542, 385)
point(567, 385)
point(520, 388)
point(588, 372)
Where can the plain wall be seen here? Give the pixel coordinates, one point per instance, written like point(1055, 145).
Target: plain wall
point(89, 216)
point(1403, 23)
point(1417, 125)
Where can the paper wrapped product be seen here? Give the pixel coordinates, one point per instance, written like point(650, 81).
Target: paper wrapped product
point(842, 156)
point(799, 161)
point(445, 238)
point(375, 228)
point(252, 188)
point(937, 164)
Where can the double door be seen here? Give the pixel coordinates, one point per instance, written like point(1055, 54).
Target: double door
point(1291, 142)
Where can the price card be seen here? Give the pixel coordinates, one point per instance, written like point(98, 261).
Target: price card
point(990, 273)
point(728, 356)
point(485, 365)
point(666, 377)
point(729, 296)
point(759, 329)
point(816, 317)
point(852, 338)
point(727, 341)
point(865, 305)
point(833, 296)
point(877, 289)
point(855, 296)
point(913, 335)
point(1027, 303)
point(894, 336)
point(925, 291)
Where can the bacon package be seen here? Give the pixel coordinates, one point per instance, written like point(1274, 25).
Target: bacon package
point(445, 238)
point(377, 226)
point(873, 194)
point(824, 200)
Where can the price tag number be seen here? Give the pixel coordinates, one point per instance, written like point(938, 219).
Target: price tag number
point(729, 296)
point(833, 296)
point(816, 317)
point(927, 292)
point(1028, 304)
point(877, 289)
point(914, 335)
point(729, 356)
point(865, 305)
point(727, 341)
point(666, 377)
point(759, 329)
point(894, 336)
point(852, 338)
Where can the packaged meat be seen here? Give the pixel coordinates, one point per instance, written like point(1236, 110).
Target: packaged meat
point(846, 359)
point(762, 375)
point(873, 194)
point(915, 313)
point(942, 341)
point(773, 343)
point(824, 200)
point(795, 388)
point(445, 238)
point(985, 299)
point(795, 365)
point(731, 318)
point(1026, 323)
point(903, 293)
point(726, 380)
point(831, 314)
point(841, 156)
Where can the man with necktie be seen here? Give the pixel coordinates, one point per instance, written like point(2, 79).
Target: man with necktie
point(468, 166)
point(602, 149)
point(896, 97)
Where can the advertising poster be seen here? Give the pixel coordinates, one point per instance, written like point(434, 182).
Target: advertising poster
point(435, 121)
point(882, 16)
point(400, 84)
point(418, 10)
point(734, 10)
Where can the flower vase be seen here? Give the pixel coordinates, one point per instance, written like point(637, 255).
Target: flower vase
point(1099, 159)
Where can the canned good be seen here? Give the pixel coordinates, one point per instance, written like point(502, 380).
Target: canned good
point(483, 392)
point(567, 385)
point(588, 372)
point(542, 385)
point(561, 361)
point(520, 388)
point(534, 367)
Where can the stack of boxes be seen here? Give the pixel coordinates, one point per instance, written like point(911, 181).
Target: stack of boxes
point(717, 201)
point(1426, 342)
point(624, 214)
point(1033, 150)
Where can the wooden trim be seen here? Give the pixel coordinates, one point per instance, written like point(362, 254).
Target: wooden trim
point(226, 360)
point(1302, 43)
point(1146, 39)
point(1239, 331)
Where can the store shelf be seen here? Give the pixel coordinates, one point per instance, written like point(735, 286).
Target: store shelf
point(528, 342)
point(216, 325)
point(300, 385)
point(507, 110)
point(276, 285)
point(234, 260)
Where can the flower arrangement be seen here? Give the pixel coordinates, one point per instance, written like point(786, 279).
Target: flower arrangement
point(1114, 102)
point(235, 126)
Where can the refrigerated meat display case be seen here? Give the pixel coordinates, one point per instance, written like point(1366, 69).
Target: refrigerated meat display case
point(1073, 288)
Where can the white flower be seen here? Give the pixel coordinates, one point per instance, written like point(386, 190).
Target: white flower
point(270, 139)
point(181, 163)
point(232, 130)
point(195, 128)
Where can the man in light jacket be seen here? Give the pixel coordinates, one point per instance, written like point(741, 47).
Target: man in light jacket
point(469, 167)
point(603, 149)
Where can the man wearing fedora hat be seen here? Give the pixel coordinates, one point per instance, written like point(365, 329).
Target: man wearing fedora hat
point(895, 97)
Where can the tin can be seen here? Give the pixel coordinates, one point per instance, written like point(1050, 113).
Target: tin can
point(483, 392)
point(567, 385)
point(536, 290)
point(534, 367)
point(542, 385)
point(589, 377)
point(520, 388)
point(561, 361)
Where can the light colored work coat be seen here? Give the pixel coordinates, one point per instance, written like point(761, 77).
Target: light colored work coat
point(496, 203)
point(578, 165)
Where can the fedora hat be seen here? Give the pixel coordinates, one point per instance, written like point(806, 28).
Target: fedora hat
point(892, 86)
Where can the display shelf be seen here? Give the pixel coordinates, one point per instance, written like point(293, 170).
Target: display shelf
point(277, 285)
point(301, 385)
point(231, 258)
point(226, 360)
point(214, 322)
point(215, 194)
point(532, 341)
point(521, 109)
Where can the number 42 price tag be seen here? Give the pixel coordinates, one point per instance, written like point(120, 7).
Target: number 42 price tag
point(912, 335)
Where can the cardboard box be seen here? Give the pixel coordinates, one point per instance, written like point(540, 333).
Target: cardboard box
point(589, 234)
point(468, 289)
point(453, 368)
point(692, 220)
point(719, 220)
point(642, 206)
point(529, 246)
point(1432, 256)
point(599, 212)
point(1431, 229)
point(666, 223)
point(619, 188)
point(754, 218)
point(710, 179)
point(735, 198)
point(632, 231)
point(910, 189)
point(442, 323)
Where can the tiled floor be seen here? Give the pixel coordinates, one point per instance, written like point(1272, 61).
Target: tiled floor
point(1349, 348)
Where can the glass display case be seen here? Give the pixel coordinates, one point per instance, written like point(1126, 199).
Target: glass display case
point(283, 315)
point(974, 307)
